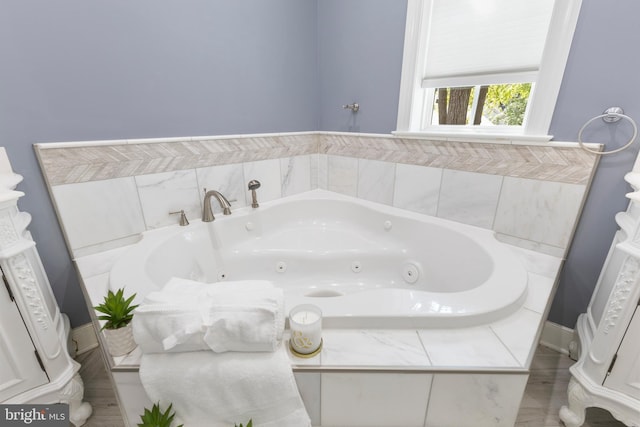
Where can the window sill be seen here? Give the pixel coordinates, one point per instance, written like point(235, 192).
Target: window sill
point(473, 135)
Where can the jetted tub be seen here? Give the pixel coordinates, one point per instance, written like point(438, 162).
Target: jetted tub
point(365, 264)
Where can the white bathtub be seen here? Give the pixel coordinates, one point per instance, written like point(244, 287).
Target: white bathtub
point(364, 264)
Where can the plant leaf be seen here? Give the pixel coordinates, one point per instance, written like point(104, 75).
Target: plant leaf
point(117, 311)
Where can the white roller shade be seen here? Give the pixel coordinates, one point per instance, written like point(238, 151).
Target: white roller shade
point(477, 42)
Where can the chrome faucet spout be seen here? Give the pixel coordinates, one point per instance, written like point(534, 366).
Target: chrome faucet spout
point(207, 211)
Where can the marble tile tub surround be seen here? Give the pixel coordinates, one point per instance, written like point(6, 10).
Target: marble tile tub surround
point(125, 207)
point(530, 194)
point(535, 214)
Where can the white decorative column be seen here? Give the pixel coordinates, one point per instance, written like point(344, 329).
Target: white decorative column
point(35, 364)
point(607, 373)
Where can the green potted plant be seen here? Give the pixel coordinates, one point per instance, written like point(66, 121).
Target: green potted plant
point(156, 418)
point(117, 312)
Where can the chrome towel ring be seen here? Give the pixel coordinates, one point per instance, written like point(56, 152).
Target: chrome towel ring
point(611, 115)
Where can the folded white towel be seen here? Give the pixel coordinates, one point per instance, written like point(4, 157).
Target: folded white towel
point(243, 320)
point(223, 389)
point(192, 316)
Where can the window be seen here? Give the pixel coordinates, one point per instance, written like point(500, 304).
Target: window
point(484, 66)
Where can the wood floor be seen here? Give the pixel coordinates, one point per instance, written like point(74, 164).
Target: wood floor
point(546, 392)
point(99, 391)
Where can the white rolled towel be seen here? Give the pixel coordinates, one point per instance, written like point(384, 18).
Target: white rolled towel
point(245, 316)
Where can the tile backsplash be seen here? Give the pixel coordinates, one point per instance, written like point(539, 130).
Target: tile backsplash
point(530, 195)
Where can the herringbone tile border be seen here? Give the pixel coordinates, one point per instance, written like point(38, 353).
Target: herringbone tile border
point(69, 165)
point(547, 163)
point(74, 164)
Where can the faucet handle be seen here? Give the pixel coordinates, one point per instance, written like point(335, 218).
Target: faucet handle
point(183, 217)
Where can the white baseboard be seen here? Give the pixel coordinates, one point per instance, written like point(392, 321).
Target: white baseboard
point(557, 337)
point(84, 338)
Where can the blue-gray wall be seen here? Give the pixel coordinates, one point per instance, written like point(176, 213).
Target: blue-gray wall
point(73, 70)
point(360, 46)
point(84, 70)
point(602, 72)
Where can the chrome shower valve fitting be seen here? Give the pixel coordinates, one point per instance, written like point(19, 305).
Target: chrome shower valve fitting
point(353, 107)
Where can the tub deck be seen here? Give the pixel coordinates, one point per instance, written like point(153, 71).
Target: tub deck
point(408, 372)
point(505, 344)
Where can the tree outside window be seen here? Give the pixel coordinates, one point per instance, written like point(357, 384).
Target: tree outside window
point(495, 105)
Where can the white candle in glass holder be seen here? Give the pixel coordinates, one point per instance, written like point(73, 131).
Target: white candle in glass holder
point(305, 322)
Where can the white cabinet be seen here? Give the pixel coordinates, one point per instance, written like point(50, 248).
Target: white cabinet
point(607, 373)
point(625, 373)
point(20, 369)
point(35, 366)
